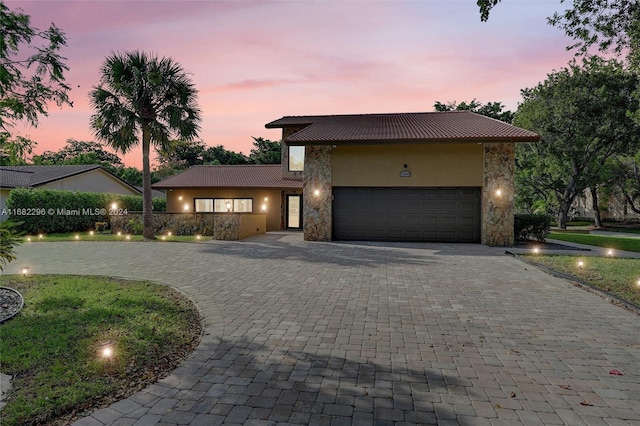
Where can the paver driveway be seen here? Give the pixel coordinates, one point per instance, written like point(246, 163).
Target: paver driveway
point(337, 333)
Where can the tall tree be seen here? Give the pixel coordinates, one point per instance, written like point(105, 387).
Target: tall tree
point(144, 100)
point(610, 25)
point(80, 152)
point(265, 151)
point(14, 151)
point(491, 109)
point(29, 81)
point(582, 114)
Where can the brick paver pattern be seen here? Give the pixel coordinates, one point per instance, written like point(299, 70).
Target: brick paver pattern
point(364, 333)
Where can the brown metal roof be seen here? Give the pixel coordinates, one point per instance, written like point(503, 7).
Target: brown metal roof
point(246, 176)
point(422, 127)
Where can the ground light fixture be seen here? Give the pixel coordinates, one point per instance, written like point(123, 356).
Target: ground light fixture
point(198, 237)
point(25, 271)
point(90, 232)
point(610, 252)
point(580, 264)
point(536, 250)
point(40, 236)
point(28, 238)
point(638, 282)
point(105, 351)
point(119, 233)
point(114, 206)
point(128, 237)
point(77, 237)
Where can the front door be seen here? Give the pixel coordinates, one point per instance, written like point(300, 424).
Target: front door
point(294, 217)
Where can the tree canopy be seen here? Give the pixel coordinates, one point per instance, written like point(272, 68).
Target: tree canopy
point(610, 25)
point(80, 152)
point(491, 109)
point(29, 81)
point(144, 100)
point(582, 114)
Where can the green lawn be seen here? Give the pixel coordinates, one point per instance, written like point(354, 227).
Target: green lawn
point(52, 347)
point(87, 236)
point(620, 277)
point(616, 243)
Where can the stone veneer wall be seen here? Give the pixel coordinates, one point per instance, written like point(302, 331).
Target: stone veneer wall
point(498, 210)
point(221, 226)
point(316, 209)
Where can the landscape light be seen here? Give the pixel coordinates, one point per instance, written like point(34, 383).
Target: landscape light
point(197, 237)
point(638, 282)
point(114, 206)
point(28, 238)
point(610, 252)
point(580, 264)
point(40, 236)
point(106, 350)
point(25, 270)
point(163, 238)
point(90, 232)
point(119, 233)
point(128, 237)
point(536, 250)
point(169, 233)
point(77, 237)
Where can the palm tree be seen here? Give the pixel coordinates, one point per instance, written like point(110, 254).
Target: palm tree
point(142, 96)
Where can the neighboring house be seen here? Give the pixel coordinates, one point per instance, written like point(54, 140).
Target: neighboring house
point(442, 176)
point(236, 189)
point(87, 178)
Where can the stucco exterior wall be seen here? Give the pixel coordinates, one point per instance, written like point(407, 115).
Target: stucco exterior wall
point(498, 194)
point(428, 164)
point(317, 194)
point(284, 155)
point(272, 199)
point(4, 194)
point(92, 181)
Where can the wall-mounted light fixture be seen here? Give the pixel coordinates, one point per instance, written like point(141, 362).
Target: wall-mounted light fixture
point(498, 192)
point(180, 198)
point(186, 207)
point(316, 192)
point(264, 207)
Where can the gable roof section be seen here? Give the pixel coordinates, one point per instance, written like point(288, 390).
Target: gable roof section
point(31, 176)
point(227, 176)
point(421, 127)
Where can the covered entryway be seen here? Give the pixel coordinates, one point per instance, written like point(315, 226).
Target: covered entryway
point(407, 214)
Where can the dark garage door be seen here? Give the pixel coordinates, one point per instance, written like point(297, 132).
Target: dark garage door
point(407, 214)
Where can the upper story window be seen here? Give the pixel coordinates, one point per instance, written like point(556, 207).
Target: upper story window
point(296, 158)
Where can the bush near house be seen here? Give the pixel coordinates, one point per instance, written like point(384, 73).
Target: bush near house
point(527, 226)
point(47, 210)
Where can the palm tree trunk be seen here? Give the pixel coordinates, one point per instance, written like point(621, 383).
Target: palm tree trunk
point(147, 202)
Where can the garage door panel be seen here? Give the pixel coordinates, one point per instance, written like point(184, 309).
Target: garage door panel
point(407, 214)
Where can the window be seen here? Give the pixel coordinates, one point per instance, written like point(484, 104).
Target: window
point(203, 205)
point(235, 205)
point(296, 158)
point(243, 205)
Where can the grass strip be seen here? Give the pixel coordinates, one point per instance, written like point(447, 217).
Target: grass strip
point(52, 347)
point(617, 276)
point(616, 243)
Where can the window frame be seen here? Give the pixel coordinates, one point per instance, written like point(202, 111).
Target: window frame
point(290, 163)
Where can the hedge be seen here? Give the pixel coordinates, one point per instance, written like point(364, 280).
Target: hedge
point(48, 210)
point(526, 226)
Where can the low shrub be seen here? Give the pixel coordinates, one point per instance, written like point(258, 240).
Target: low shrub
point(527, 226)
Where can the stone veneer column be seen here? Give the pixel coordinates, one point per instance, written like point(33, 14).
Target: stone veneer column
point(497, 207)
point(317, 193)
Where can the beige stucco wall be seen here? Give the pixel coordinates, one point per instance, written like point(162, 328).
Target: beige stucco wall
point(92, 181)
point(4, 194)
point(274, 201)
point(429, 164)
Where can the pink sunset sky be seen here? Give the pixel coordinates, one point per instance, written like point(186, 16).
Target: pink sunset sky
point(255, 61)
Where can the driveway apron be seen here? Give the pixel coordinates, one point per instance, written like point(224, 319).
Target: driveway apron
point(363, 333)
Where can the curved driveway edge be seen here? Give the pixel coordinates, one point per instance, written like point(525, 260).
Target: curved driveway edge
point(346, 333)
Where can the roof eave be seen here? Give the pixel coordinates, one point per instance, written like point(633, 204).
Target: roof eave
point(414, 141)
